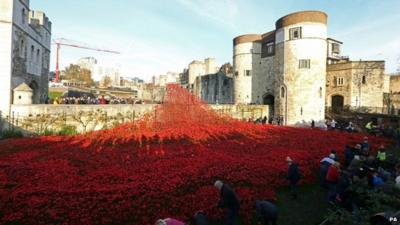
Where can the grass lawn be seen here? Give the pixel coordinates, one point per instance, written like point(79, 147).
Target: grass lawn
point(310, 208)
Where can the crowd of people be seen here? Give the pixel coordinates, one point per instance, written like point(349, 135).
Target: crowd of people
point(359, 165)
point(86, 100)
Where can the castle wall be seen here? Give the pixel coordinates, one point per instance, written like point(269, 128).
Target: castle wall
point(37, 118)
point(364, 83)
point(5, 54)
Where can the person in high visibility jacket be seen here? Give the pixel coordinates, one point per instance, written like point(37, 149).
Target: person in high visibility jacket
point(369, 126)
point(381, 155)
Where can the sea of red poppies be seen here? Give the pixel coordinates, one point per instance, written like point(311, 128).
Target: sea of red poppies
point(163, 165)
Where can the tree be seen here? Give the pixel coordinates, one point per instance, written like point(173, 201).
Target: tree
point(76, 73)
point(106, 81)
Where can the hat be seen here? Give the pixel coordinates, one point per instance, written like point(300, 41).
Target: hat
point(288, 159)
point(218, 184)
point(332, 156)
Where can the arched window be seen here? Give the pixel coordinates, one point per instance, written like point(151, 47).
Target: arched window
point(38, 55)
point(364, 79)
point(283, 92)
point(32, 52)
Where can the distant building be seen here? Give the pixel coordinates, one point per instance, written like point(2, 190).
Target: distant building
point(395, 83)
point(25, 39)
point(199, 68)
point(215, 88)
point(100, 71)
point(169, 78)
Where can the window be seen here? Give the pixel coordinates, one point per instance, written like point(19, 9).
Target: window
point(339, 81)
point(32, 52)
point(282, 92)
point(364, 79)
point(295, 33)
point(304, 64)
point(335, 48)
point(236, 73)
point(247, 72)
point(23, 16)
point(270, 48)
point(38, 55)
point(22, 47)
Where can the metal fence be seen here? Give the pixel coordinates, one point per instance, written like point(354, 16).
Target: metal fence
point(366, 110)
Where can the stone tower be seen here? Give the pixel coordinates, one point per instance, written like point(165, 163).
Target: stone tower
point(246, 60)
point(300, 67)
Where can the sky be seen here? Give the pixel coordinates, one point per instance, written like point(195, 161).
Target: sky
point(158, 36)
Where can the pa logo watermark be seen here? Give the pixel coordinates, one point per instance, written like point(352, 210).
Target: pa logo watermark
point(394, 220)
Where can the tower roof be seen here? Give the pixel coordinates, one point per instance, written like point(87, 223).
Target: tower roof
point(23, 87)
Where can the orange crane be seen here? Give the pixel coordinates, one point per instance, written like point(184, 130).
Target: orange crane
point(61, 42)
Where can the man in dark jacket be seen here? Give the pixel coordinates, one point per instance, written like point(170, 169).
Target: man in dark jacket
point(293, 176)
point(228, 200)
point(266, 212)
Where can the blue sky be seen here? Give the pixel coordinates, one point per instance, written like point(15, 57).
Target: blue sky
point(165, 35)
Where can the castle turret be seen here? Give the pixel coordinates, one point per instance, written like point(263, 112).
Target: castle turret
point(246, 60)
point(300, 67)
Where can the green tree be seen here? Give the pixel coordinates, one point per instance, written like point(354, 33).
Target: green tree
point(76, 73)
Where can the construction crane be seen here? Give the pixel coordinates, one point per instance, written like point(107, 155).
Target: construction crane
point(61, 42)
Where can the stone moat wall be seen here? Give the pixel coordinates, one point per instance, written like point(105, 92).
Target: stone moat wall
point(42, 119)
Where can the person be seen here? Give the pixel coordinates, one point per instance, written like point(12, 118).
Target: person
point(365, 144)
point(312, 124)
point(332, 178)
point(169, 221)
point(381, 155)
point(397, 136)
point(325, 163)
point(350, 127)
point(355, 164)
point(267, 212)
point(334, 153)
point(102, 100)
point(229, 200)
point(333, 124)
point(369, 126)
point(293, 176)
point(397, 180)
point(376, 180)
point(343, 183)
point(264, 121)
point(348, 155)
point(200, 218)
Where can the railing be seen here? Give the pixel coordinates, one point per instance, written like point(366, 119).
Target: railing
point(367, 110)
